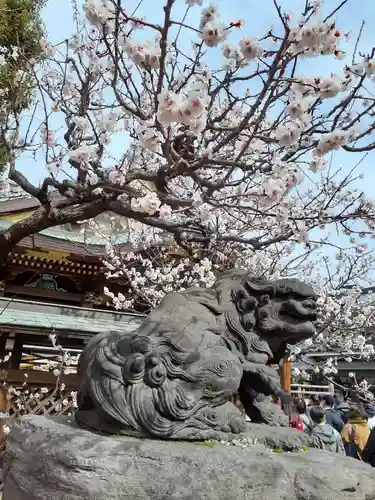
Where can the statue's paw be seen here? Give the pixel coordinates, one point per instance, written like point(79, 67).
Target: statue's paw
point(237, 425)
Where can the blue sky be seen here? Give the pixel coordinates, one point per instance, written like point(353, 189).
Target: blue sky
point(58, 20)
point(258, 17)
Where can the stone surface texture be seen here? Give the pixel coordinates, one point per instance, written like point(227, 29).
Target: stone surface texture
point(173, 378)
point(53, 459)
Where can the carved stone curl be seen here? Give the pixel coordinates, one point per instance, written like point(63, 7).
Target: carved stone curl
point(175, 376)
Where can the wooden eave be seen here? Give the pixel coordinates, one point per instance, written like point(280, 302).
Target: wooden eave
point(63, 266)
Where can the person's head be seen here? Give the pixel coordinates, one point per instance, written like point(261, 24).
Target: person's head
point(300, 406)
point(317, 414)
point(338, 398)
point(356, 411)
point(314, 400)
point(370, 410)
point(328, 401)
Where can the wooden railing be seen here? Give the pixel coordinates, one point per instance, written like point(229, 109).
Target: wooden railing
point(306, 390)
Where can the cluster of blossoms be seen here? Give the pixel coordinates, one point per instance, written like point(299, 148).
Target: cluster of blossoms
point(59, 400)
point(213, 31)
point(145, 54)
point(248, 50)
point(149, 204)
point(188, 109)
point(333, 140)
point(64, 363)
point(149, 282)
point(315, 39)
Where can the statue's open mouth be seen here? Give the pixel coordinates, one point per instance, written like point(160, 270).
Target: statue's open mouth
point(295, 318)
point(296, 312)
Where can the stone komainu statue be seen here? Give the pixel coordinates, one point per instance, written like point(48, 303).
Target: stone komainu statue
point(175, 375)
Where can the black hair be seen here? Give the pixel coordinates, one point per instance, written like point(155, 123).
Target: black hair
point(314, 399)
point(300, 406)
point(275, 398)
point(328, 399)
point(317, 414)
point(339, 398)
point(357, 411)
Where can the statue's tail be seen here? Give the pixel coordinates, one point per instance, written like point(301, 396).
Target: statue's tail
point(133, 380)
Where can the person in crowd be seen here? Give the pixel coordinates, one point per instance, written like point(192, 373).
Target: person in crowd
point(370, 410)
point(323, 435)
point(332, 416)
point(341, 406)
point(301, 418)
point(355, 433)
point(287, 406)
point(276, 400)
point(314, 400)
point(368, 454)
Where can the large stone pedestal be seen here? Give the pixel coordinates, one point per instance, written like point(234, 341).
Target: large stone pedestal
point(53, 459)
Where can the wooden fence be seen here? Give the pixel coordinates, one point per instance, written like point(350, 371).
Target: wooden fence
point(36, 394)
point(48, 402)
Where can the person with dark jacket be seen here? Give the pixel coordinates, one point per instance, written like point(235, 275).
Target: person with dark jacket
point(322, 435)
point(370, 410)
point(341, 406)
point(332, 417)
point(368, 454)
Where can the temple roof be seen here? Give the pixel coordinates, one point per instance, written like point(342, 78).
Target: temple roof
point(79, 322)
point(66, 238)
point(9, 190)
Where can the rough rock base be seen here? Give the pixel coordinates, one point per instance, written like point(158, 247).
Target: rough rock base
point(54, 459)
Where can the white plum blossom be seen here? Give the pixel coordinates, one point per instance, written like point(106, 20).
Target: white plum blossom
point(116, 177)
point(83, 153)
point(370, 66)
point(288, 134)
point(332, 141)
point(213, 33)
point(317, 164)
point(149, 138)
point(311, 39)
point(169, 107)
point(274, 189)
point(330, 87)
point(144, 54)
point(250, 48)
point(149, 204)
point(165, 212)
point(297, 108)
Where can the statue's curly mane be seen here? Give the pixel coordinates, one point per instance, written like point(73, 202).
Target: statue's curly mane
point(228, 287)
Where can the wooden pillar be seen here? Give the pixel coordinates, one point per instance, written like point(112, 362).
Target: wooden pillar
point(17, 351)
point(5, 402)
point(3, 341)
point(286, 375)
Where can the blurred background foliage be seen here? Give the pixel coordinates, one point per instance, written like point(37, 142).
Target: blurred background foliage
point(21, 30)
